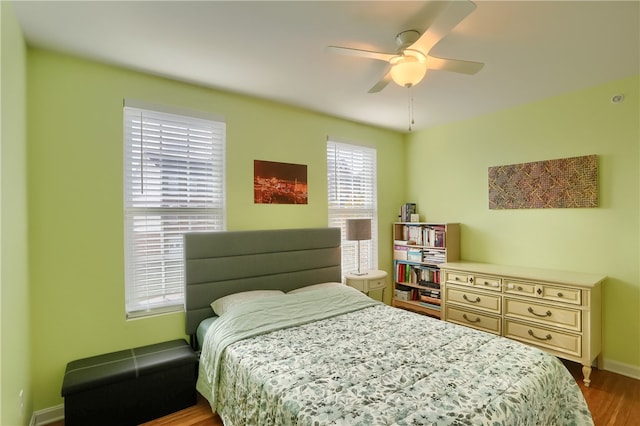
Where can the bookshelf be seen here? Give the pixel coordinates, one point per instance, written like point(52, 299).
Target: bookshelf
point(419, 248)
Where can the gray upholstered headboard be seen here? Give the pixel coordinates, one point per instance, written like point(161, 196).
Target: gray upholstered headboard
point(222, 263)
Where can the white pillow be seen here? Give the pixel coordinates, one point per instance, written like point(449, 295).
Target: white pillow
point(222, 305)
point(316, 287)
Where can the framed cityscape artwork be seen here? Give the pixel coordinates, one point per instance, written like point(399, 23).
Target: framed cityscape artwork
point(279, 183)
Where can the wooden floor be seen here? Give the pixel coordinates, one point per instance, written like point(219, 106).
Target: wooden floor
point(614, 400)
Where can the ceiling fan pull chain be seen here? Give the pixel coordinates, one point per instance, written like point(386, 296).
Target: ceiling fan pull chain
point(411, 122)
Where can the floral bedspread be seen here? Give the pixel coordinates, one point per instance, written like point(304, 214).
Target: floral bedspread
point(380, 365)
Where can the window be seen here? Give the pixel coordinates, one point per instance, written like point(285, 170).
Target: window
point(352, 182)
point(173, 183)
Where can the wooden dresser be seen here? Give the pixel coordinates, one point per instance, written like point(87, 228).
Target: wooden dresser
point(557, 311)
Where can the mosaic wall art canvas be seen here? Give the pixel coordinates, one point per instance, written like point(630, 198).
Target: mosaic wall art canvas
point(563, 183)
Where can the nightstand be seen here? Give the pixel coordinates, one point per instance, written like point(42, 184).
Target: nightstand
point(372, 280)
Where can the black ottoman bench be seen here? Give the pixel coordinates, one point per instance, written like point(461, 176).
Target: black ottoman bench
point(130, 387)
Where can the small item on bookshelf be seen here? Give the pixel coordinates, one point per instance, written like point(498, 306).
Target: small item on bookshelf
point(414, 255)
point(415, 217)
point(406, 211)
point(400, 251)
point(401, 294)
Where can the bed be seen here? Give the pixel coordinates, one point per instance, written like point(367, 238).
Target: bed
point(309, 350)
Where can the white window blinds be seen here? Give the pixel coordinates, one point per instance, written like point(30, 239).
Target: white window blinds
point(352, 183)
point(174, 171)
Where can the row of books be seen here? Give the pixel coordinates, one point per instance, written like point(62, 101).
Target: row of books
point(433, 256)
point(412, 254)
point(405, 272)
point(428, 236)
point(432, 293)
point(406, 211)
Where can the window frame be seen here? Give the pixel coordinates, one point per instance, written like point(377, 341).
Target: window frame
point(183, 174)
point(362, 203)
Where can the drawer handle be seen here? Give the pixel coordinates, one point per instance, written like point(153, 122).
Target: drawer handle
point(547, 337)
point(519, 288)
point(456, 278)
point(546, 314)
point(471, 280)
point(469, 320)
point(560, 295)
point(464, 296)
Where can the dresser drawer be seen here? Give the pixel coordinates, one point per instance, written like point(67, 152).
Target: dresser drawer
point(457, 277)
point(483, 322)
point(547, 315)
point(567, 343)
point(485, 282)
point(520, 288)
point(477, 300)
point(559, 294)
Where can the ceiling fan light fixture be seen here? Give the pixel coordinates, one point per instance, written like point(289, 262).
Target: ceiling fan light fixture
point(408, 70)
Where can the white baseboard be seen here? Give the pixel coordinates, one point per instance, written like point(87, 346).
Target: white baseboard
point(47, 415)
point(628, 370)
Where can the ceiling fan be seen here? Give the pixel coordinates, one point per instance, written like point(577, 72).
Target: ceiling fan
point(412, 60)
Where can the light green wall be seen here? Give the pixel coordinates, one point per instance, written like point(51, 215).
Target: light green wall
point(14, 290)
point(75, 196)
point(447, 178)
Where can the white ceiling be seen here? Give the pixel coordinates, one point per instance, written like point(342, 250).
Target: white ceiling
point(276, 50)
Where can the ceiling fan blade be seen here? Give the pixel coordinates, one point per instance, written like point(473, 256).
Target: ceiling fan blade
point(361, 53)
point(451, 16)
point(381, 84)
point(455, 65)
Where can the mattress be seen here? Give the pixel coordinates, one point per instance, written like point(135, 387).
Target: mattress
point(338, 357)
point(201, 331)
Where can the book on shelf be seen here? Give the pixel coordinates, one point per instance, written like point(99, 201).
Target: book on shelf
point(415, 234)
point(433, 294)
point(433, 256)
point(439, 238)
point(406, 211)
point(429, 275)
